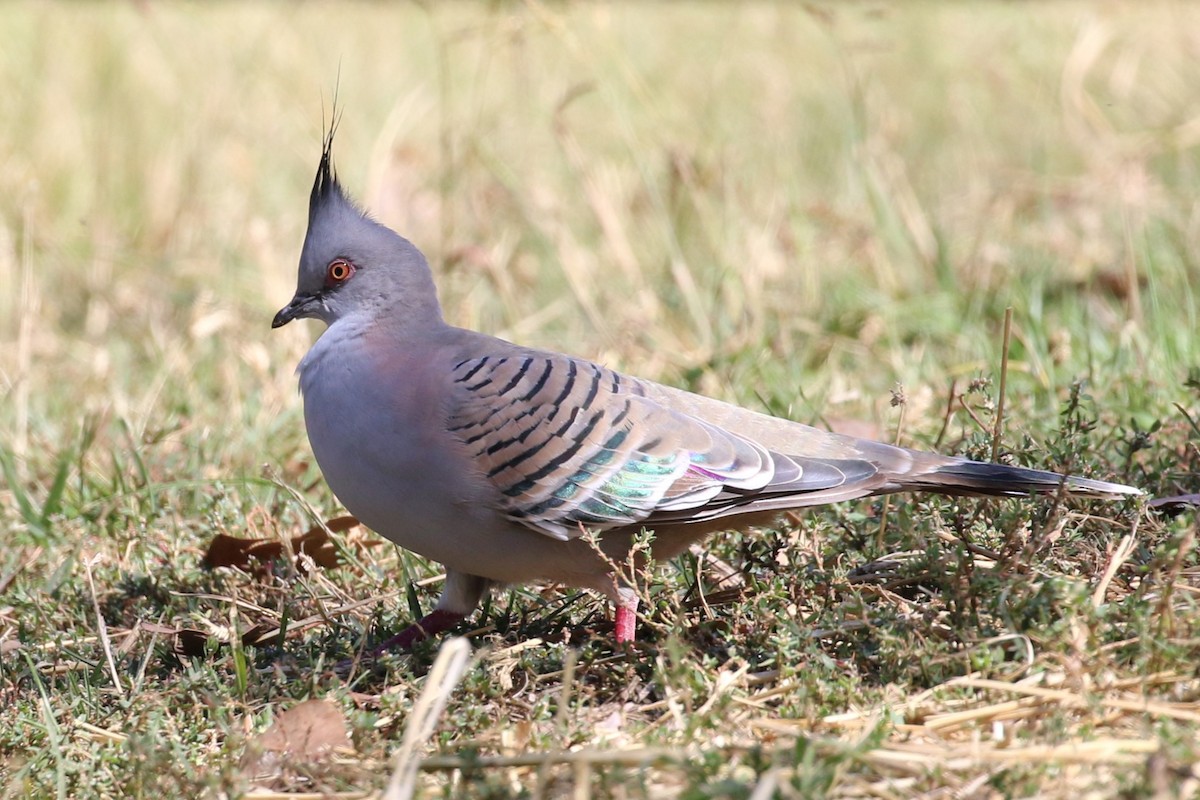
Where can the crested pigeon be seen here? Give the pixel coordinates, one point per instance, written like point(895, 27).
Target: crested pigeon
point(509, 464)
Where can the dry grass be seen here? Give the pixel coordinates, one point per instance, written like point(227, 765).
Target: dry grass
point(797, 208)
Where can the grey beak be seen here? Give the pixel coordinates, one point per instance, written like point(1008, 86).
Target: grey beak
point(297, 308)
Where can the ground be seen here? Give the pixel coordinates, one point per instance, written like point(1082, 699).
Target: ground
point(820, 211)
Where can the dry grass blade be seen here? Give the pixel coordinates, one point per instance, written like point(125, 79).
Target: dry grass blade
point(968, 756)
point(102, 626)
point(1119, 556)
point(1189, 712)
point(101, 733)
point(561, 719)
point(452, 661)
point(263, 794)
point(635, 756)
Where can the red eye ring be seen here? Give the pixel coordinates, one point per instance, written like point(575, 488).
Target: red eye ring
point(338, 271)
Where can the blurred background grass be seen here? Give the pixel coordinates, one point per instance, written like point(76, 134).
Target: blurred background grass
point(838, 199)
point(794, 207)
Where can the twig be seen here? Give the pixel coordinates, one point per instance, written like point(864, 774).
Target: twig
point(962, 401)
point(999, 425)
point(971, 547)
point(937, 444)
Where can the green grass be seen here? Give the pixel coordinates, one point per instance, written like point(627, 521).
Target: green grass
point(797, 209)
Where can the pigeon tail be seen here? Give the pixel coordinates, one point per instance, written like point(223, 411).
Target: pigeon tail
point(976, 477)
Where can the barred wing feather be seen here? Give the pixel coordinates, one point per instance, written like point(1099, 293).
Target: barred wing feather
point(568, 444)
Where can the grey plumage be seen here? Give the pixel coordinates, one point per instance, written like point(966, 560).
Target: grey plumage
point(570, 444)
point(494, 459)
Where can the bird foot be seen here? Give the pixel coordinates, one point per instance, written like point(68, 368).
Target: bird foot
point(431, 624)
point(625, 619)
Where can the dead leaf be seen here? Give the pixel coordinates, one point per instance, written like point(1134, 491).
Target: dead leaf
point(342, 524)
point(231, 551)
point(317, 545)
point(261, 634)
point(306, 733)
point(191, 643)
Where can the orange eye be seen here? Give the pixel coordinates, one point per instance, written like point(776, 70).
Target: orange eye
point(338, 271)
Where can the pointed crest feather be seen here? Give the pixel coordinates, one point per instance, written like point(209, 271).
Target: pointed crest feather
point(325, 185)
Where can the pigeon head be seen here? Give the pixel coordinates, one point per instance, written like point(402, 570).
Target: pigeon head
point(352, 265)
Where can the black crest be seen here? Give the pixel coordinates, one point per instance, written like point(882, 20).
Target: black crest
point(325, 186)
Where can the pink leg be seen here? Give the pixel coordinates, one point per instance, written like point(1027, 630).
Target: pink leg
point(431, 624)
point(625, 620)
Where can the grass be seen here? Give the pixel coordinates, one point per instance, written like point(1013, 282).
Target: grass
point(798, 209)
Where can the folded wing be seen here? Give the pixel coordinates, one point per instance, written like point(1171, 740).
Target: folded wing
point(571, 446)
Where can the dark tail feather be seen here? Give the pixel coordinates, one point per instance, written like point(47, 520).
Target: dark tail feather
point(975, 477)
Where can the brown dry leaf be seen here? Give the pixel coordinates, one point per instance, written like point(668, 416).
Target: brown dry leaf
point(317, 545)
point(261, 634)
point(304, 734)
point(231, 551)
point(342, 524)
point(185, 641)
point(228, 551)
point(191, 643)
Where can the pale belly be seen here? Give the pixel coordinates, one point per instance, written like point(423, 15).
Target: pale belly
point(382, 446)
